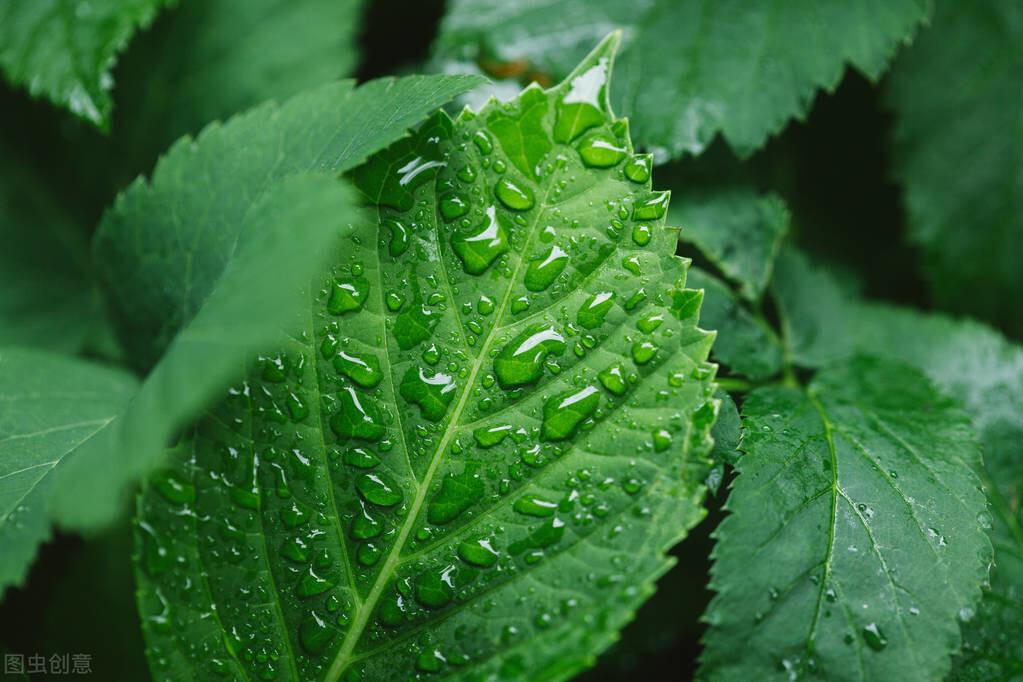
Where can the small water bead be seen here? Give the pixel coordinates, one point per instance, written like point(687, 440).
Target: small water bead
point(532, 505)
point(358, 417)
point(483, 142)
point(485, 305)
point(361, 458)
point(394, 301)
point(489, 436)
point(479, 250)
point(466, 173)
point(514, 194)
point(363, 369)
point(662, 440)
point(275, 369)
point(368, 554)
point(433, 393)
point(478, 552)
point(651, 208)
point(458, 492)
point(642, 233)
point(638, 168)
point(312, 584)
point(520, 362)
point(500, 166)
point(592, 313)
point(347, 295)
point(631, 263)
point(430, 661)
point(315, 634)
point(613, 379)
point(414, 325)
point(644, 351)
point(172, 488)
point(436, 588)
point(294, 516)
point(379, 488)
point(400, 236)
point(366, 525)
point(564, 414)
point(520, 305)
point(453, 206)
point(582, 106)
point(541, 272)
point(296, 407)
point(296, 550)
point(600, 150)
point(874, 637)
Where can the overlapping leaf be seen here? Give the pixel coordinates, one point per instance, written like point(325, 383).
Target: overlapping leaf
point(958, 143)
point(164, 243)
point(65, 51)
point(692, 69)
point(471, 457)
point(858, 503)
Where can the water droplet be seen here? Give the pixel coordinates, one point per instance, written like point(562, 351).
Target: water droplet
point(542, 272)
point(520, 362)
point(358, 417)
point(315, 634)
point(479, 552)
point(662, 440)
point(535, 506)
point(361, 458)
point(457, 493)
point(479, 250)
point(644, 351)
point(433, 393)
point(489, 436)
point(651, 208)
point(600, 150)
point(400, 236)
point(366, 525)
point(638, 168)
point(348, 295)
point(453, 206)
point(562, 415)
point(379, 488)
point(591, 315)
point(650, 322)
point(362, 369)
point(483, 142)
point(172, 488)
point(414, 325)
point(581, 107)
point(435, 588)
point(513, 194)
point(874, 637)
point(613, 379)
point(642, 233)
point(312, 584)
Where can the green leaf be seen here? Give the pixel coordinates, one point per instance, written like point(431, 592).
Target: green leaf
point(692, 69)
point(47, 296)
point(727, 431)
point(967, 360)
point(858, 502)
point(286, 239)
point(958, 142)
point(66, 51)
point(464, 462)
point(49, 406)
point(745, 344)
point(207, 60)
point(739, 231)
point(164, 243)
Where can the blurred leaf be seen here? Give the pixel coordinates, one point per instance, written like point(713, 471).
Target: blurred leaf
point(727, 431)
point(284, 241)
point(66, 51)
point(857, 501)
point(47, 297)
point(164, 243)
point(691, 69)
point(49, 406)
point(745, 343)
point(738, 230)
point(958, 143)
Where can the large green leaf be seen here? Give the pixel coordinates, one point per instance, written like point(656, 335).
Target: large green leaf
point(692, 69)
point(473, 455)
point(858, 503)
point(47, 296)
point(49, 405)
point(969, 361)
point(65, 51)
point(164, 243)
point(958, 143)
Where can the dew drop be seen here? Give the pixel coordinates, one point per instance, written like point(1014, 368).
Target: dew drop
point(563, 415)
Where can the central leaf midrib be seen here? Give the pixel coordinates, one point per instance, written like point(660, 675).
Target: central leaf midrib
point(393, 559)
